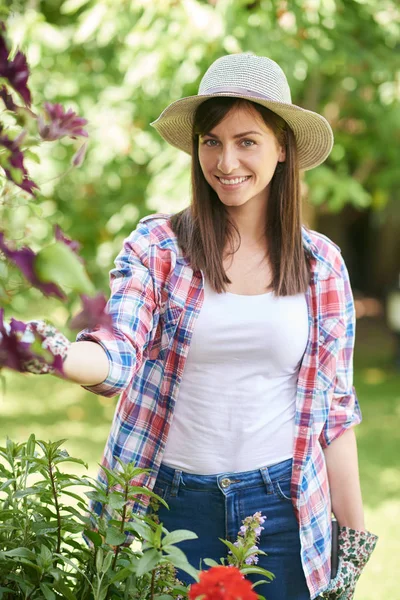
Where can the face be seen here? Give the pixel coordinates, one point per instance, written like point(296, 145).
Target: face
point(239, 156)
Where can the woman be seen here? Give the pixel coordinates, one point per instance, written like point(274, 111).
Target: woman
point(233, 340)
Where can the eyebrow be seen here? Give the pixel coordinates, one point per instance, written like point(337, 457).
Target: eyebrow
point(238, 135)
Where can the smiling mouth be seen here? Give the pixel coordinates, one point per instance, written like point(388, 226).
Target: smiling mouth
point(233, 181)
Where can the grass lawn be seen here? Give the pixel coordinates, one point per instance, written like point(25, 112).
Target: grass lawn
point(53, 409)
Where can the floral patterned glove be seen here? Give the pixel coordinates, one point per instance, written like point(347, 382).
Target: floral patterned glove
point(355, 548)
point(52, 340)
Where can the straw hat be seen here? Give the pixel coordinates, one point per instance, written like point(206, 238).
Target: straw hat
point(262, 81)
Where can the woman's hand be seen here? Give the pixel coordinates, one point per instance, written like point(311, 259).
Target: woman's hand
point(52, 340)
point(355, 549)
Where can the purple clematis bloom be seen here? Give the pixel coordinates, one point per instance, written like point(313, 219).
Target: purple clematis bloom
point(24, 259)
point(14, 351)
point(16, 71)
point(93, 314)
point(7, 99)
point(72, 244)
point(59, 123)
point(16, 161)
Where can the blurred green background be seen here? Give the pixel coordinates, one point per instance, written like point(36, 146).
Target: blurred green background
point(119, 63)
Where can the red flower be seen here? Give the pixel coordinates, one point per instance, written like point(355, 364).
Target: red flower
point(222, 583)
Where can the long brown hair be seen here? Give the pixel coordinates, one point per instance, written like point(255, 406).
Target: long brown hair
point(204, 228)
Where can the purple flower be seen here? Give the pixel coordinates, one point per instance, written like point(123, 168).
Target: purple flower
point(16, 71)
point(242, 530)
point(59, 123)
point(15, 351)
point(72, 244)
point(79, 156)
point(15, 162)
point(258, 531)
point(7, 99)
point(93, 314)
point(24, 259)
point(251, 560)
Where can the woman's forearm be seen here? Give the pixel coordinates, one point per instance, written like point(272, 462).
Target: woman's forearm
point(342, 464)
point(86, 363)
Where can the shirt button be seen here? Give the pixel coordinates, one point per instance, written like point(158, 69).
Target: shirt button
point(297, 467)
point(321, 338)
point(225, 482)
point(303, 429)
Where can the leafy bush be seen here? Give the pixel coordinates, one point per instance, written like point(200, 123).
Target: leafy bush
point(43, 552)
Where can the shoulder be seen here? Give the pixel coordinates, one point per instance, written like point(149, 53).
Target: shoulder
point(325, 251)
point(154, 231)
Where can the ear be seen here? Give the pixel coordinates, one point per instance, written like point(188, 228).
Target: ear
point(282, 155)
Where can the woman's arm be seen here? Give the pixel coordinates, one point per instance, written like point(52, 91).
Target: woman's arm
point(342, 465)
point(86, 363)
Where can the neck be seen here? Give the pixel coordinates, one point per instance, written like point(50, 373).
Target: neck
point(250, 221)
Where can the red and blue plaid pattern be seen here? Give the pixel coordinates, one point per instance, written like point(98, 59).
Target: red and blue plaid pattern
point(155, 300)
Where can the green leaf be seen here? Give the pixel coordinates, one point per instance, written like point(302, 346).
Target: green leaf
point(30, 491)
point(99, 559)
point(59, 264)
point(257, 571)
point(61, 587)
point(30, 445)
point(94, 537)
point(21, 553)
point(6, 484)
point(237, 552)
point(122, 574)
point(116, 500)
point(114, 537)
point(180, 535)
point(107, 562)
point(179, 560)
point(44, 527)
point(210, 562)
point(47, 593)
point(137, 526)
point(147, 562)
point(32, 156)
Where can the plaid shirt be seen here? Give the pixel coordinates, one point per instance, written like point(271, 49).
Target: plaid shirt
point(155, 300)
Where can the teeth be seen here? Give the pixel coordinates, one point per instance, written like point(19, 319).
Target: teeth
point(233, 181)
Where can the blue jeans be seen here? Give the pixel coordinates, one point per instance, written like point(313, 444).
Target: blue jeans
point(213, 506)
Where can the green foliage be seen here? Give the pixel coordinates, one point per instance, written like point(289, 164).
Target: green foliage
point(119, 65)
point(42, 553)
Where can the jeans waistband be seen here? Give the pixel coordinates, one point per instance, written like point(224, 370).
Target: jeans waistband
point(234, 481)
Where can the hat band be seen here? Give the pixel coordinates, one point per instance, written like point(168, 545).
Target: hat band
point(235, 90)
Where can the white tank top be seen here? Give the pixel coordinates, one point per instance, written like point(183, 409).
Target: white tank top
point(236, 405)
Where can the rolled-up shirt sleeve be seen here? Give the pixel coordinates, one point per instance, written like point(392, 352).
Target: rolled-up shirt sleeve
point(131, 305)
point(344, 410)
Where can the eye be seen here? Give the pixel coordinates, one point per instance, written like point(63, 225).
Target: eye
point(210, 143)
point(248, 143)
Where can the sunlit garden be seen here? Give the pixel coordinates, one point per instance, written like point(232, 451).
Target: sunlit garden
point(74, 185)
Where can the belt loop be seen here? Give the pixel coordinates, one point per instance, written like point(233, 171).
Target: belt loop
point(266, 477)
point(175, 482)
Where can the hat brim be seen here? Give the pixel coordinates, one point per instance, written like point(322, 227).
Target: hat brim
point(314, 136)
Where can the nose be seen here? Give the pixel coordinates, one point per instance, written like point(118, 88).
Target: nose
point(227, 160)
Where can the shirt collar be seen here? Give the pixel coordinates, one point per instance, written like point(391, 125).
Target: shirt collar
point(322, 267)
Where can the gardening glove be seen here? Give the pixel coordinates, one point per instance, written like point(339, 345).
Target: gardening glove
point(52, 340)
point(355, 548)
